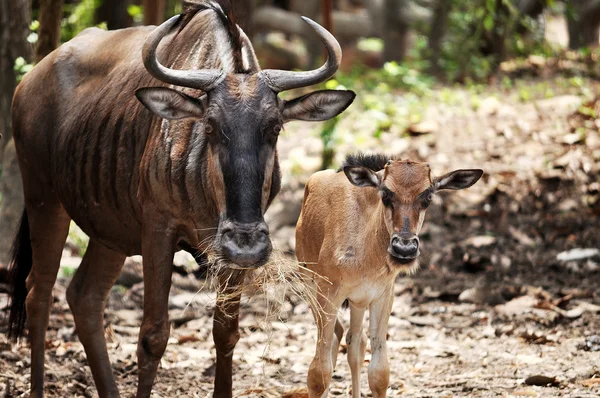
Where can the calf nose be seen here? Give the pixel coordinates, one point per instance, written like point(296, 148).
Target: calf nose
point(405, 247)
point(247, 245)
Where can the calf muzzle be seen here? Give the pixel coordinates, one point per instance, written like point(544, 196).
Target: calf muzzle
point(404, 248)
point(246, 245)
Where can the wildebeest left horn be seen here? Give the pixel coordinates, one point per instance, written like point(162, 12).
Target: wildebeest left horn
point(204, 80)
point(280, 80)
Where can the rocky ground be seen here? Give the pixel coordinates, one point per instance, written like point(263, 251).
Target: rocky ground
point(507, 300)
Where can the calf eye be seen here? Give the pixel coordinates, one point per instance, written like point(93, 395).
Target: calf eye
point(426, 198)
point(386, 197)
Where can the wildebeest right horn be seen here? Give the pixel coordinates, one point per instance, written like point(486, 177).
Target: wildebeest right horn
point(280, 80)
point(205, 79)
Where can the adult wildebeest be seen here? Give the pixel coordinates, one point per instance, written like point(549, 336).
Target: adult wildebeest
point(201, 171)
point(359, 229)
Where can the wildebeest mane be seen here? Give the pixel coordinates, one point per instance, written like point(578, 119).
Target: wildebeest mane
point(375, 161)
point(223, 10)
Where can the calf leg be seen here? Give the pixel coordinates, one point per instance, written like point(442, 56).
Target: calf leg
point(379, 368)
point(158, 245)
point(225, 330)
point(49, 225)
point(321, 367)
point(337, 339)
point(357, 344)
point(87, 295)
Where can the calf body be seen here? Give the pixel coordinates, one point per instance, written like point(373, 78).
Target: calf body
point(358, 230)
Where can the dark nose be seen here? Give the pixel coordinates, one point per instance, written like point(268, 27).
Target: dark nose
point(246, 245)
point(405, 247)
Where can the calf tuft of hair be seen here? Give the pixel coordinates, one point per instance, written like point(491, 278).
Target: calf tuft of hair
point(375, 161)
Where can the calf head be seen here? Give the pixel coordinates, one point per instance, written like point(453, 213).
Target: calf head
point(241, 116)
point(406, 189)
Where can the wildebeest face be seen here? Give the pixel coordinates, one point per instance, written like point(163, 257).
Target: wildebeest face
point(406, 190)
point(242, 117)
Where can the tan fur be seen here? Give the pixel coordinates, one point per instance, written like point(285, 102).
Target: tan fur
point(343, 235)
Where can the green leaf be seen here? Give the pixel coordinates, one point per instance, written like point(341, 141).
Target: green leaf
point(488, 23)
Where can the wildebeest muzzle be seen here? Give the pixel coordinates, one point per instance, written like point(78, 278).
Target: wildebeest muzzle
point(246, 245)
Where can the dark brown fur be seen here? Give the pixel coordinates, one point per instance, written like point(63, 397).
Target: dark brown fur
point(188, 169)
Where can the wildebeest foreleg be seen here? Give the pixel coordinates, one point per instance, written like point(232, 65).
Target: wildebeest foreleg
point(158, 245)
point(322, 365)
point(357, 344)
point(225, 329)
point(87, 295)
point(49, 225)
point(379, 368)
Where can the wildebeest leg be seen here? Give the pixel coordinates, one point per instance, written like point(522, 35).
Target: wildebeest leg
point(379, 368)
point(225, 329)
point(49, 225)
point(87, 296)
point(357, 344)
point(321, 367)
point(158, 245)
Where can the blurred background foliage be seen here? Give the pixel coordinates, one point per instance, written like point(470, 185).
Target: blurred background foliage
point(389, 45)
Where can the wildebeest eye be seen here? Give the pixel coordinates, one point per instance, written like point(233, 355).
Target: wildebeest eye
point(208, 129)
point(276, 129)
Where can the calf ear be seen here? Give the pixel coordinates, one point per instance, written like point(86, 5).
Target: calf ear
point(458, 179)
point(362, 176)
point(318, 105)
point(171, 104)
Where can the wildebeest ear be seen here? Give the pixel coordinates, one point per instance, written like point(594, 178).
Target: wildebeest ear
point(458, 179)
point(318, 105)
point(171, 104)
point(362, 176)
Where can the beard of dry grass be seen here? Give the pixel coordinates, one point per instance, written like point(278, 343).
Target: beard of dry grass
point(282, 276)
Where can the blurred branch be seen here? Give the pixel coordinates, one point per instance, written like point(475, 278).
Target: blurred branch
point(347, 25)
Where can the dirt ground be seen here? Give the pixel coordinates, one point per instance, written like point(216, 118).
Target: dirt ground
point(506, 302)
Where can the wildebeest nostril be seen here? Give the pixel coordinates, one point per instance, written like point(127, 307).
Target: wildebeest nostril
point(246, 244)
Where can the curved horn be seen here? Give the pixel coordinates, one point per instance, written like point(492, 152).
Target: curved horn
point(280, 80)
point(204, 80)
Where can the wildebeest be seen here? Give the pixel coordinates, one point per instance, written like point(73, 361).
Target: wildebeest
point(359, 229)
point(200, 169)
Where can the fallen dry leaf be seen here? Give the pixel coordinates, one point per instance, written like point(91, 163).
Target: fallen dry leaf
point(540, 380)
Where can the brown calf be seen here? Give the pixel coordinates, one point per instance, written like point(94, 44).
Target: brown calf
point(359, 230)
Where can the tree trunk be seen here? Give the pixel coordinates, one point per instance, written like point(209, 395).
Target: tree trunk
point(395, 30)
point(583, 22)
point(154, 11)
point(15, 18)
point(438, 30)
point(49, 32)
point(12, 203)
point(114, 13)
